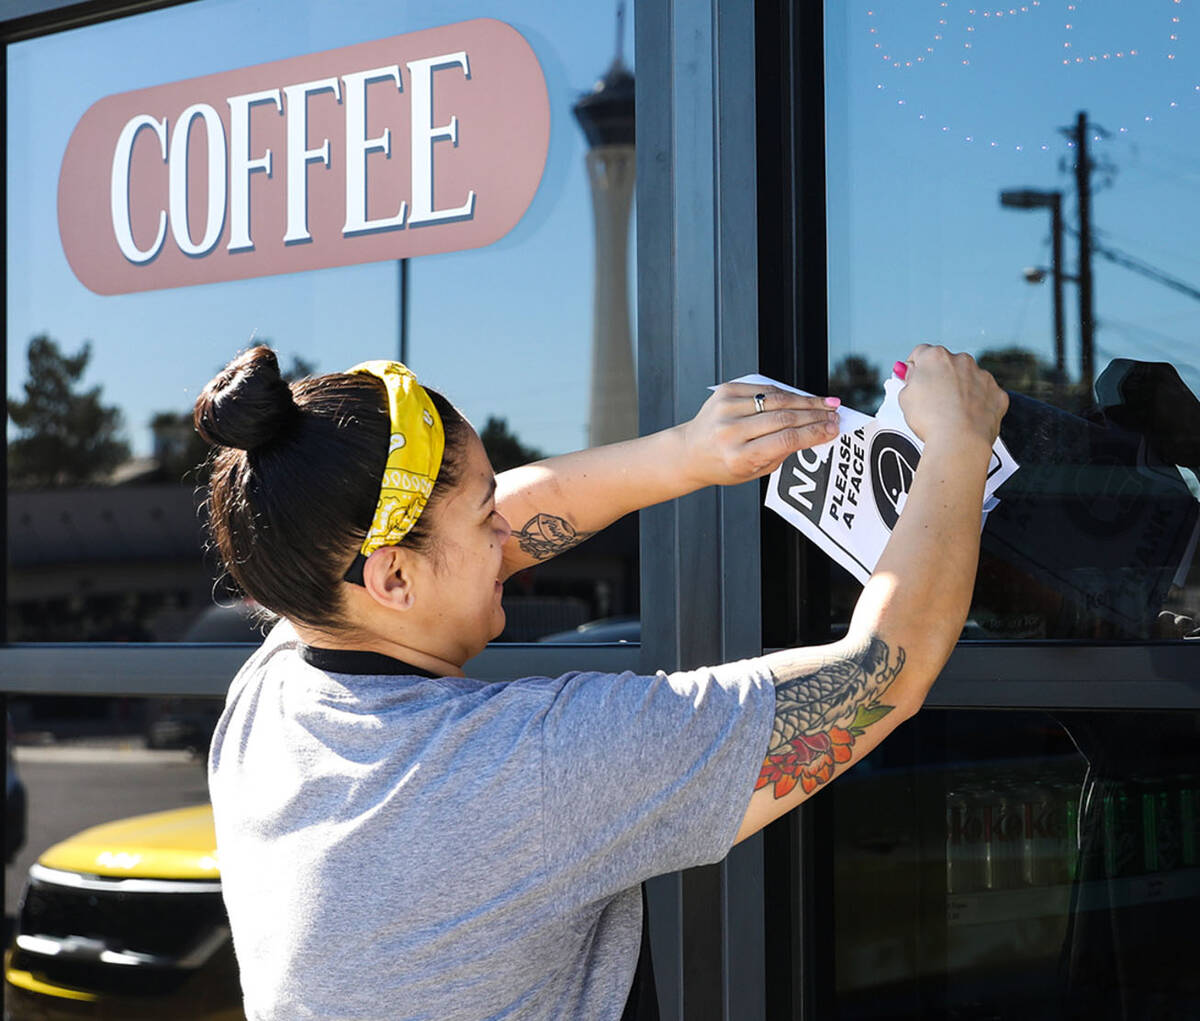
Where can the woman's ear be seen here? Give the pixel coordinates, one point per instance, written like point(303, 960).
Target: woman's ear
point(389, 577)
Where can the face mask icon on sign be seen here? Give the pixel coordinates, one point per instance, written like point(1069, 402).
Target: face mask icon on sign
point(894, 459)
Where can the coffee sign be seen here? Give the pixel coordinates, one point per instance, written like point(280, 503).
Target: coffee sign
point(429, 142)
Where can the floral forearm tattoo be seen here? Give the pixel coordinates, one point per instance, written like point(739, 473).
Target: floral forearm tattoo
point(544, 536)
point(818, 716)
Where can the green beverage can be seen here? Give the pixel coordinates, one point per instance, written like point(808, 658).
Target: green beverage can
point(1187, 796)
point(1124, 853)
point(1161, 828)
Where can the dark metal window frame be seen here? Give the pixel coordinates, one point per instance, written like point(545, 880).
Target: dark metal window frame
point(698, 324)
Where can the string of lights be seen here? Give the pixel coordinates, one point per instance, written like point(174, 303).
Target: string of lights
point(966, 21)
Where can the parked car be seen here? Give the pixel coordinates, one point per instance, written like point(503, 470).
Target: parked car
point(125, 921)
point(606, 630)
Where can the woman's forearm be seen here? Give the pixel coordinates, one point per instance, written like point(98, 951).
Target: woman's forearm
point(920, 592)
point(916, 600)
point(836, 703)
point(741, 433)
point(557, 503)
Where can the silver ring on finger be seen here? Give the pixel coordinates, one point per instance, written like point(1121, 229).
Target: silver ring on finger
point(760, 402)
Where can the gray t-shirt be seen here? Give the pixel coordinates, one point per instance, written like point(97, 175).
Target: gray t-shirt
point(444, 848)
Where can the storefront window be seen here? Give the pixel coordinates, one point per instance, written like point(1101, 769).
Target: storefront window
point(116, 316)
point(1016, 182)
point(1035, 865)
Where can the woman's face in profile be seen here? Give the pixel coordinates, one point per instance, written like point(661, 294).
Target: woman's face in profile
point(463, 588)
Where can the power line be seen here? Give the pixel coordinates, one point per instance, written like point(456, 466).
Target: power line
point(1176, 345)
point(1156, 250)
point(1145, 269)
point(1136, 265)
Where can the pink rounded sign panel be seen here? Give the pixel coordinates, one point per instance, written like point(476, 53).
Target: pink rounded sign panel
point(434, 141)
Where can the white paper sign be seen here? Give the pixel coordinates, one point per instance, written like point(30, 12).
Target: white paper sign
point(846, 495)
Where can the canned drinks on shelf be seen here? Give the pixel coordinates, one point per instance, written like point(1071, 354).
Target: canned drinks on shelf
point(1007, 830)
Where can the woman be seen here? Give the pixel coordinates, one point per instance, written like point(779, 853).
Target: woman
point(399, 841)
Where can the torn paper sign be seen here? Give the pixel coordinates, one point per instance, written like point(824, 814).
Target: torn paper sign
point(847, 495)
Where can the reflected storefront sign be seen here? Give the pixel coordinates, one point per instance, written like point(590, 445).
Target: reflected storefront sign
point(429, 142)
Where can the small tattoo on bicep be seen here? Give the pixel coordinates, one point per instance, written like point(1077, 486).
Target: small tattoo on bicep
point(544, 536)
point(818, 716)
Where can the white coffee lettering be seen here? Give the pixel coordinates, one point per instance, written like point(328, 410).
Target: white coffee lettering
point(357, 147)
point(242, 165)
point(299, 156)
point(425, 134)
point(214, 220)
point(231, 163)
point(119, 196)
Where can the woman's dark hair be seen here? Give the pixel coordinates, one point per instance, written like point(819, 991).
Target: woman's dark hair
point(296, 477)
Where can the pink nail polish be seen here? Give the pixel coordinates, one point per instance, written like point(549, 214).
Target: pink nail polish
point(833, 402)
point(900, 369)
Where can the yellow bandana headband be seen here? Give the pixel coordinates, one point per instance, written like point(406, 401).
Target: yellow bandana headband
point(414, 454)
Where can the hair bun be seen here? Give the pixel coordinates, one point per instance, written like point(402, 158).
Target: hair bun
point(247, 404)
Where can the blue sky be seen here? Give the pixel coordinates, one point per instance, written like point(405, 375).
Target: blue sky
point(518, 340)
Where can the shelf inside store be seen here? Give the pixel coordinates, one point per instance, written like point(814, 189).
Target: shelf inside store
point(995, 907)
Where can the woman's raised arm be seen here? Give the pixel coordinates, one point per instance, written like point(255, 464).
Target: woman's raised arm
point(555, 504)
point(835, 703)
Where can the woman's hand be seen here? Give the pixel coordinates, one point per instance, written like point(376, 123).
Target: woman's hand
point(731, 441)
point(948, 396)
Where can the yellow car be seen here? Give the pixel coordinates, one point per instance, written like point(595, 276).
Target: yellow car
point(124, 921)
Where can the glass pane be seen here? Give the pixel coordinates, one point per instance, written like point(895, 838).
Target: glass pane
point(1019, 865)
point(530, 335)
point(1017, 182)
point(112, 890)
